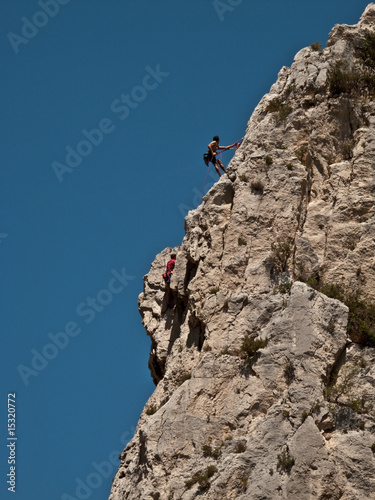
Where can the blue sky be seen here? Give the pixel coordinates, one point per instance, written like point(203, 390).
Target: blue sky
point(138, 88)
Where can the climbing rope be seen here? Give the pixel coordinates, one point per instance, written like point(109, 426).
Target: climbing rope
point(236, 145)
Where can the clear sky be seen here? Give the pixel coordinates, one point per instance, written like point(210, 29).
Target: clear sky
point(107, 108)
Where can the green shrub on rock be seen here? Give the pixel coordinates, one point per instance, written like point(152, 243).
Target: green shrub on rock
point(250, 346)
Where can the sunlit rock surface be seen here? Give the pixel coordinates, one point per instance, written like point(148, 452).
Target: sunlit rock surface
point(295, 420)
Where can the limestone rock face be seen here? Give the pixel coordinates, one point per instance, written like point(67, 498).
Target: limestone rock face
point(260, 392)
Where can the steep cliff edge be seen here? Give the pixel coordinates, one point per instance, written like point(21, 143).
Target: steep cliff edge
point(265, 390)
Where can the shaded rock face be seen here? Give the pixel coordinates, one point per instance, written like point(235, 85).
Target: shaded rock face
point(261, 394)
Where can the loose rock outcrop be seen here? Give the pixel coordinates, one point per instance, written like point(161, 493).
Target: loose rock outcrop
point(263, 357)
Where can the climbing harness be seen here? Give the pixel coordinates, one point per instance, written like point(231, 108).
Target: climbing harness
point(167, 277)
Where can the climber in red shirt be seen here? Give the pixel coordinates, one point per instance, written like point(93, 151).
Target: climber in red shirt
point(171, 263)
point(169, 271)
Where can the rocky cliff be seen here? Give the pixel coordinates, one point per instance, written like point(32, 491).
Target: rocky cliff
point(263, 355)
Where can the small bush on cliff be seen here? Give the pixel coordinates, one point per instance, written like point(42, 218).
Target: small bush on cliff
point(250, 346)
point(343, 391)
point(348, 375)
point(284, 287)
point(183, 378)
point(331, 327)
point(281, 251)
point(282, 109)
point(151, 410)
point(316, 46)
point(226, 352)
point(208, 451)
point(273, 106)
point(289, 372)
point(268, 160)
point(257, 186)
point(342, 80)
point(243, 483)
point(285, 461)
point(369, 82)
point(361, 321)
point(316, 407)
point(240, 447)
point(202, 479)
point(301, 153)
point(367, 50)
